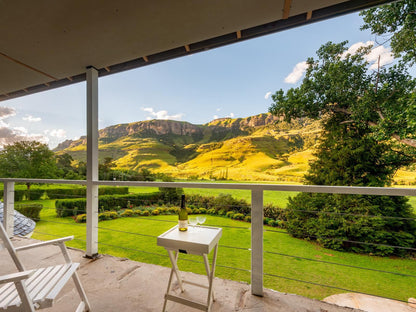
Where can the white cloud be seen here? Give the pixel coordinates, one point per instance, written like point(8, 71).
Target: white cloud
point(231, 115)
point(215, 117)
point(218, 109)
point(297, 73)
point(57, 133)
point(267, 95)
point(12, 135)
point(386, 57)
point(30, 118)
point(6, 112)
point(162, 114)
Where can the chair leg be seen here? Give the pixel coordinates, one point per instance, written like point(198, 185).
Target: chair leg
point(81, 291)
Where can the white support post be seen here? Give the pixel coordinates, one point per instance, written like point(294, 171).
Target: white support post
point(8, 208)
point(92, 162)
point(257, 242)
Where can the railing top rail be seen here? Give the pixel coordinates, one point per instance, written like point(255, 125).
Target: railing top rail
point(392, 191)
point(47, 181)
point(359, 190)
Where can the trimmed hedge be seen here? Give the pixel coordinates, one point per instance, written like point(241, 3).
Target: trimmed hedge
point(35, 193)
point(31, 211)
point(72, 207)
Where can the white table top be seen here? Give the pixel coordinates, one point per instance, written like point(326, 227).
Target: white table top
point(197, 240)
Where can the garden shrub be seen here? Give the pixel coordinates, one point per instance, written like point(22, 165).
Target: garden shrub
point(146, 213)
point(247, 218)
point(31, 211)
point(229, 214)
point(173, 210)
point(274, 212)
point(64, 207)
point(127, 213)
point(202, 210)
point(155, 212)
point(82, 218)
point(195, 211)
point(238, 216)
point(108, 215)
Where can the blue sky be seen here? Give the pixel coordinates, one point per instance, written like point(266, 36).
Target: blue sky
point(231, 81)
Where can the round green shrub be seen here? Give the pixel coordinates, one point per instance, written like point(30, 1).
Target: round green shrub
point(247, 218)
point(155, 212)
point(127, 213)
point(173, 210)
point(195, 211)
point(146, 213)
point(230, 214)
point(238, 216)
point(82, 218)
point(202, 210)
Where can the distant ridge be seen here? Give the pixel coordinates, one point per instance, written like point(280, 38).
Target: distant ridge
point(261, 147)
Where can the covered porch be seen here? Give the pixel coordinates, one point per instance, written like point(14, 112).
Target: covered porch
point(120, 284)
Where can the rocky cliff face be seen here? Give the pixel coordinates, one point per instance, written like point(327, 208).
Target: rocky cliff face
point(242, 123)
point(169, 127)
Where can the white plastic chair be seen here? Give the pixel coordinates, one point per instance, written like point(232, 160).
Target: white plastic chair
point(30, 290)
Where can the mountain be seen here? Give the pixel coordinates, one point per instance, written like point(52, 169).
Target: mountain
point(261, 147)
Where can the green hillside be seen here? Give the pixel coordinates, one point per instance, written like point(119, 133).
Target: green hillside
point(256, 148)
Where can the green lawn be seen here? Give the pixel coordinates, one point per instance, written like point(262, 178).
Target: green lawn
point(143, 248)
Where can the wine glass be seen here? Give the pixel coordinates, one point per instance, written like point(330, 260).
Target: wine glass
point(201, 220)
point(193, 221)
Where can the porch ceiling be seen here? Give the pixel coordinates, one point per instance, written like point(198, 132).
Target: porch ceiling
point(47, 44)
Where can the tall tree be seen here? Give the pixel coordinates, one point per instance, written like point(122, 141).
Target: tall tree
point(28, 159)
point(395, 22)
point(363, 144)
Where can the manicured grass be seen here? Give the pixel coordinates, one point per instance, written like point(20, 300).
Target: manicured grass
point(121, 237)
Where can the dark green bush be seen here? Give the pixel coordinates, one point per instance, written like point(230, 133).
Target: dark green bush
point(31, 211)
point(335, 220)
point(65, 207)
point(82, 218)
point(108, 215)
point(238, 216)
point(230, 214)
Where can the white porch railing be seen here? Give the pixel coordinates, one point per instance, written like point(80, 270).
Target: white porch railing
point(257, 191)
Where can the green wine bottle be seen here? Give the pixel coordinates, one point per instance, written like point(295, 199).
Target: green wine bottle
point(183, 216)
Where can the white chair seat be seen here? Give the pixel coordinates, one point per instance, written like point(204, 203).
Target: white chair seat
point(30, 290)
point(43, 286)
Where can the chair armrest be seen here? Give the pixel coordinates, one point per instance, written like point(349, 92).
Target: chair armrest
point(49, 242)
point(15, 277)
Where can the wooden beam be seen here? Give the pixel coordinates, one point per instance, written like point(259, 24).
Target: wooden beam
point(25, 90)
point(47, 84)
point(27, 66)
point(238, 34)
point(69, 78)
point(286, 9)
point(107, 69)
point(187, 48)
point(145, 59)
point(308, 15)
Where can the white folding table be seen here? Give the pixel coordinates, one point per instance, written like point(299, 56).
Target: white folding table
point(197, 241)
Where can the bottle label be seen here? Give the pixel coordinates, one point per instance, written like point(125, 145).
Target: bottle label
point(183, 224)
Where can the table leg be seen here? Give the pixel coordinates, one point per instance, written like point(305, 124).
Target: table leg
point(174, 261)
point(210, 275)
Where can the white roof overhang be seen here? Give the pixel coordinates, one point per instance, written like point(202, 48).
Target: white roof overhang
point(48, 43)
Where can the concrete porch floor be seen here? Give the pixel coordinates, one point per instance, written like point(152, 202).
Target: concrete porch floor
point(116, 284)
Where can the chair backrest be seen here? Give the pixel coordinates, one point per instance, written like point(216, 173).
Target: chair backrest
point(9, 246)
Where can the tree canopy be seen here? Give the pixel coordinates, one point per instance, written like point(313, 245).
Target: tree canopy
point(396, 22)
point(28, 159)
point(367, 135)
point(341, 83)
